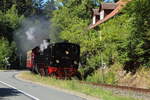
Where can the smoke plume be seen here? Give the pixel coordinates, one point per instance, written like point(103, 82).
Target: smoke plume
point(31, 33)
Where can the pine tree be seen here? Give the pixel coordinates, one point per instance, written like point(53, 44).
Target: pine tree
point(38, 5)
point(139, 40)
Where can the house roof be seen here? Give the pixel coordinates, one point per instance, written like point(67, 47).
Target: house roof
point(104, 6)
point(120, 5)
point(110, 6)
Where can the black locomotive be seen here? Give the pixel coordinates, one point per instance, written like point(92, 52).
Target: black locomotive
point(55, 59)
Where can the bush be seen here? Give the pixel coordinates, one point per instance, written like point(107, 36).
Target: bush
point(103, 77)
point(5, 52)
point(9, 22)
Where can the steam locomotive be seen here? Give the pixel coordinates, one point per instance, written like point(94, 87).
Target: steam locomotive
point(60, 60)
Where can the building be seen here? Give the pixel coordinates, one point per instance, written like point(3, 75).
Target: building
point(105, 12)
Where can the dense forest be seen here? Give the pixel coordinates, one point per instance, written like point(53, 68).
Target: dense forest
point(123, 40)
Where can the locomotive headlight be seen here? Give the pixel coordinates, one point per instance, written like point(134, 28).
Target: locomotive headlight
point(57, 61)
point(67, 52)
point(75, 62)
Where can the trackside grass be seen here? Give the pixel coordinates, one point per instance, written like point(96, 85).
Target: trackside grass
point(1, 69)
point(74, 85)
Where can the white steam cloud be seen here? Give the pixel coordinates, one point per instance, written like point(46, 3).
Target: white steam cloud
point(31, 33)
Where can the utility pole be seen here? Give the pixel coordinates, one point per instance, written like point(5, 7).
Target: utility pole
point(20, 60)
point(101, 58)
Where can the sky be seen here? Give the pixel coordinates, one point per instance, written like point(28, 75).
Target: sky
point(45, 0)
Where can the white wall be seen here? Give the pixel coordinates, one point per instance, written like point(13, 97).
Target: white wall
point(94, 19)
point(102, 15)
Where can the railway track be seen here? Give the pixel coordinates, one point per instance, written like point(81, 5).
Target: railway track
point(140, 90)
point(138, 93)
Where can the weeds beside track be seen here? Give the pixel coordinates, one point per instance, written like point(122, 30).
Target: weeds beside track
point(74, 85)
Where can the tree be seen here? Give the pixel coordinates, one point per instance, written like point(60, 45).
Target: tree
point(5, 5)
point(72, 19)
point(9, 21)
point(140, 36)
point(49, 7)
point(24, 7)
point(137, 47)
point(5, 52)
point(38, 5)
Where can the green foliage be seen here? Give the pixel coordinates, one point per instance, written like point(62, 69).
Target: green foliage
point(136, 49)
point(23, 6)
point(71, 13)
point(124, 38)
point(12, 18)
point(73, 26)
point(103, 77)
point(95, 45)
point(94, 61)
point(9, 21)
point(141, 33)
point(106, 46)
point(115, 35)
point(6, 51)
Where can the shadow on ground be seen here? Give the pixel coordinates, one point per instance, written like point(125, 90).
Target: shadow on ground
point(5, 92)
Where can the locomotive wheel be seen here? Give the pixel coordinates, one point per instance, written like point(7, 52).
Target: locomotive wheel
point(36, 70)
point(52, 74)
point(42, 72)
point(33, 70)
point(46, 71)
point(30, 69)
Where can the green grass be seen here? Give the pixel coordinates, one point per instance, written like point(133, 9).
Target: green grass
point(2, 69)
point(75, 86)
point(98, 77)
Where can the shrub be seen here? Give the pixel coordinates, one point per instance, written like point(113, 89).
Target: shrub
point(5, 51)
point(103, 77)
